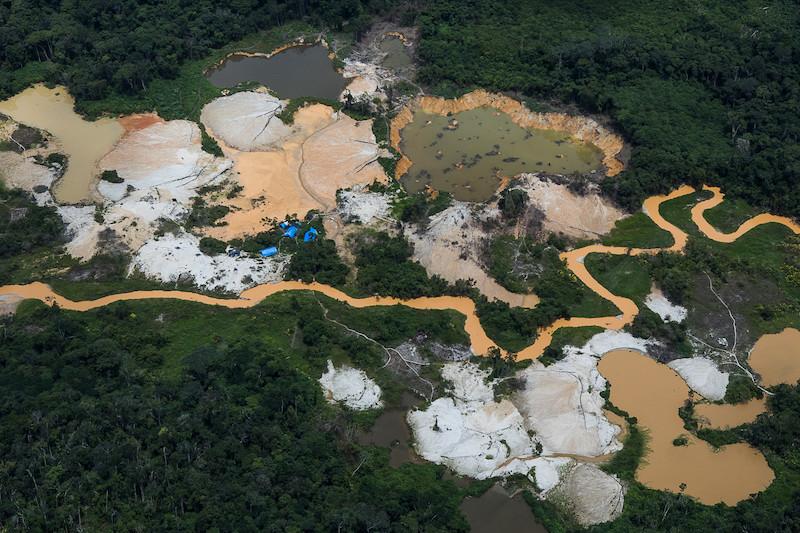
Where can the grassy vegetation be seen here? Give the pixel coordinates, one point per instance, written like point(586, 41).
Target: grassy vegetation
point(729, 215)
point(623, 275)
point(639, 231)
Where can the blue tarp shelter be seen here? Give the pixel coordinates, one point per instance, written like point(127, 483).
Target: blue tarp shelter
point(291, 232)
point(311, 235)
point(269, 252)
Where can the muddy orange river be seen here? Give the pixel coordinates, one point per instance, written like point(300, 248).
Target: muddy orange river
point(728, 475)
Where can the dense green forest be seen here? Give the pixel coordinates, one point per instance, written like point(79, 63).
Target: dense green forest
point(706, 91)
point(100, 47)
point(166, 416)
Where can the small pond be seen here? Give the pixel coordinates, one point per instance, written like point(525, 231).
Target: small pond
point(397, 54)
point(295, 72)
point(495, 512)
point(391, 431)
point(467, 153)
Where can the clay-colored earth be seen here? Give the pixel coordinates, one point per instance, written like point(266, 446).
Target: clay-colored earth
point(326, 151)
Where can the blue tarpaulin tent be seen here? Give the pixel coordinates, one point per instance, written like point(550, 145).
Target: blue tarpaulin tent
point(269, 252)
point(311, 235)
point(291, 232)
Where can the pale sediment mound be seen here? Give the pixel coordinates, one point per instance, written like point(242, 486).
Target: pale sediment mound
point(579, 216)
point(449, 248)
point(581, 128)
point(470, 432)
point(17, 170)
point(658, 303)
point(702, 376)
point(473, 434)
point(589, 494)
point(367, 80)
point(246, 120)
point(323, 151)
point(358, 205)
point(562, 403)
point(174, 258)
point(351, 387)
point(162, 166)
point(9, 303)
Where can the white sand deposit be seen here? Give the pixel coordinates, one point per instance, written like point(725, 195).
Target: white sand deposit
point(702, 376)
point(178, 258)
point(359, 205)
point(590, 495)
point(246, 120)
point(562, 403)
point(449, 247)
point(658, 303)
point(351, 387)
point(569, 213)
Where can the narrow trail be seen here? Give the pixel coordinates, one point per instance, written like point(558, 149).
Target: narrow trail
point(480, 342)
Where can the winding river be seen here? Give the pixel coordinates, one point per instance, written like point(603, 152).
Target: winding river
point(706, 473)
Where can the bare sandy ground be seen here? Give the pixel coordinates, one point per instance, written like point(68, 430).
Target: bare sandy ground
point(325, 151)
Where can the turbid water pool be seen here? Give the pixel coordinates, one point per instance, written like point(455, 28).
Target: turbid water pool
point(776, 358)
point(397, 53)
point(728, 475)
point(468, 153)
point(292, 73)
point(495, 512)
point(83, 142)
point(391, 430)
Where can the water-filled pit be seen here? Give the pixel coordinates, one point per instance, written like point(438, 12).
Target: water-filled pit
point(468, 153)
point(292, 73)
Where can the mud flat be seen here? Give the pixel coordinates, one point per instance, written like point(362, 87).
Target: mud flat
point(728, 475)
point(776, 358)
point(296, 71)
point(582, 129)
point(83, 142)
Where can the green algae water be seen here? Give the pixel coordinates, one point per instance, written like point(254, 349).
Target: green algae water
point(468, 153)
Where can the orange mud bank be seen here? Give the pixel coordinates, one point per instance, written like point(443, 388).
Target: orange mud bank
point(581, 128)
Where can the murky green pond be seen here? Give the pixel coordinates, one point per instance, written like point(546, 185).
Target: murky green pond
point(391, 431)
point(466, 154)
point(295, 72)
point(397, 55)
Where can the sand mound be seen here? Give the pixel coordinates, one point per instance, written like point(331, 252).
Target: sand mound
point(174, 258)
point(566, 212)
point(450, 245)
point(246, 120)
point(562, 403)
point(658, 303)
point(325, 151)
point(591, 495)
point(351, 387)
point(702, 376)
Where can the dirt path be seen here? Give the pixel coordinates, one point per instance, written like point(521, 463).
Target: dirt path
point(480, 342)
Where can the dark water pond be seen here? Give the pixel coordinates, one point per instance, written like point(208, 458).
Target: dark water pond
point(467, 153)
point(495, 512)
point(397, 56)
point(391, 431)
point(297, 71)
